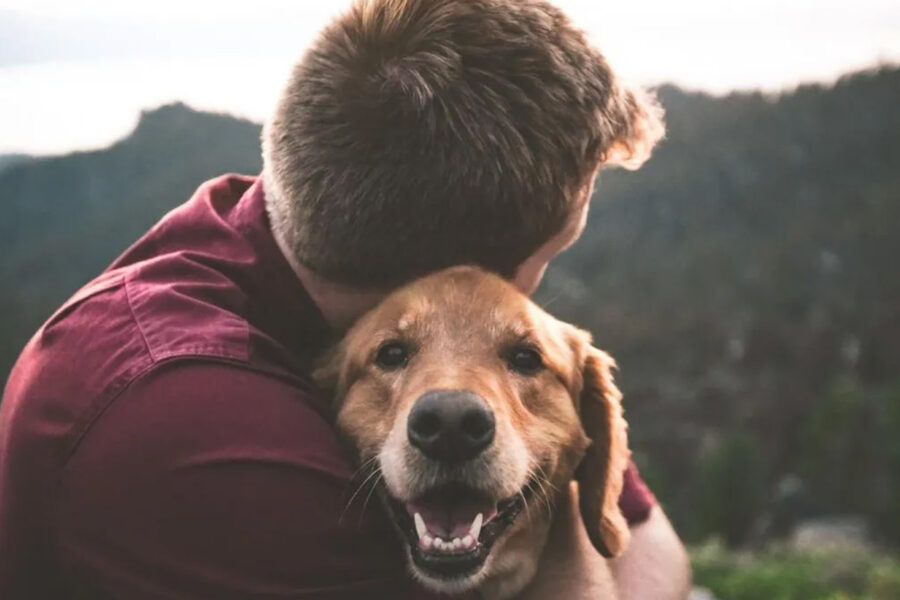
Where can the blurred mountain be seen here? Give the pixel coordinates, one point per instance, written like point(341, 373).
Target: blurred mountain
point(65, 218)
point(7, 160)
point(746, 279)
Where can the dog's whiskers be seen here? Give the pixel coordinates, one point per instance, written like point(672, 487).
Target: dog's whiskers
point(562, 290)
point(364, 466)
point(543, 482)
point(524, 498)
point(369, 496)
point(374, 471)
point(542, 495)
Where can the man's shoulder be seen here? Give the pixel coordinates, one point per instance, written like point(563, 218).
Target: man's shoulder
point(90, 350)
point(90, 344)
point(214, 406)
point(200, 287)
point(182, 307)
point(133, 317)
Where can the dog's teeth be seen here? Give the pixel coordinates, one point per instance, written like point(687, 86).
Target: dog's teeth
point(468, 541)
point(420, 525)
point(475, 530)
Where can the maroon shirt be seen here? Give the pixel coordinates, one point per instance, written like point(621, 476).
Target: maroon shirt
point(160, 437)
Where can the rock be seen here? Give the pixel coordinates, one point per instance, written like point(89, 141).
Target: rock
point(832, 532)
point(699, 593)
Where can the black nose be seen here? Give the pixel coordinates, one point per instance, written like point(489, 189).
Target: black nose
point(450, 425)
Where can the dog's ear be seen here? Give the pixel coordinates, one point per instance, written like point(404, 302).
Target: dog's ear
point(634, 119)
point(600, 474)
point(328, 372)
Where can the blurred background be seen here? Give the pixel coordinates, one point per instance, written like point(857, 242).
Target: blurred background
point(746, 278)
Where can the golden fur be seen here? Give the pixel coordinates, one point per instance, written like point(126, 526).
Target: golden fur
point(561, 423)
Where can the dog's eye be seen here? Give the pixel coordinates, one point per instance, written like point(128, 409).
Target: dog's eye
point(392, 355)
point(525, 360)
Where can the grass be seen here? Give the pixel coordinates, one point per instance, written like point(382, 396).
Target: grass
point(783, 574)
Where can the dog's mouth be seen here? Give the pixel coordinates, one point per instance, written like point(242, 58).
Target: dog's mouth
point(451, 528)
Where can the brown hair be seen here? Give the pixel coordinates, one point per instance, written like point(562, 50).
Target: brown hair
point(418, 134)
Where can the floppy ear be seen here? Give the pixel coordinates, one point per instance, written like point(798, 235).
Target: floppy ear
point(636, 121)
point(328, 373)
point(601, 471)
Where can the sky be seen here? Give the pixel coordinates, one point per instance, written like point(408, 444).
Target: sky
point(75, 75)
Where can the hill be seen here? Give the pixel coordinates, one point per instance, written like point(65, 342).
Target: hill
point(746, 280)
point(65, 218)
point(7, 160)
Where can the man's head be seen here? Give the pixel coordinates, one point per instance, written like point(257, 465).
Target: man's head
point(419, 134)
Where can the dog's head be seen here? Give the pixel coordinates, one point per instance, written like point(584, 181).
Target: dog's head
point(476, 408)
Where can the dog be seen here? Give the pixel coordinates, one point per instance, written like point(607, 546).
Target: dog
point(475, 408)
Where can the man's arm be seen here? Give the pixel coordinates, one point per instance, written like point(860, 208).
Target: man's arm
point(207, 480)
point(655, 565)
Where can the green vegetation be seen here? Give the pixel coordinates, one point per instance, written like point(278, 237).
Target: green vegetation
point(728, 488)
point(782, 574)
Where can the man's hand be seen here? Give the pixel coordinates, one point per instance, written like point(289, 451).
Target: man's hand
point(570, 567)
point(654, 566)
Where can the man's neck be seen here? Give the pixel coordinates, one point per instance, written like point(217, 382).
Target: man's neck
point(340, 304)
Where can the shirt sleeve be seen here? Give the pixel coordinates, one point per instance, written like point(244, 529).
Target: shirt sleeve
point(636, 500)
point(205, 480)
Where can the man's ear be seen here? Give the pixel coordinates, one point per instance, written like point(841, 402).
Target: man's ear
point(635, 120)
point(601, 471)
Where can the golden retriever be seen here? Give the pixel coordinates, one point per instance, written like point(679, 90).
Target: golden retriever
point(476, 408)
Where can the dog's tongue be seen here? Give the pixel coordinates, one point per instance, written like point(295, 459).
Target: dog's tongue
point(449, 513)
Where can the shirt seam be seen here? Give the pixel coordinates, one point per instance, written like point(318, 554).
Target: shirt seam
point(134, 318)
point(201, 353)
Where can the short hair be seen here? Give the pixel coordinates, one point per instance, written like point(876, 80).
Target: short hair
point(419, 134)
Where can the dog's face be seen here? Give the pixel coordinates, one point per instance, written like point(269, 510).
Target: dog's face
point(476, 407)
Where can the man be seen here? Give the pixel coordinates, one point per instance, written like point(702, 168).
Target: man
point(159, 435)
